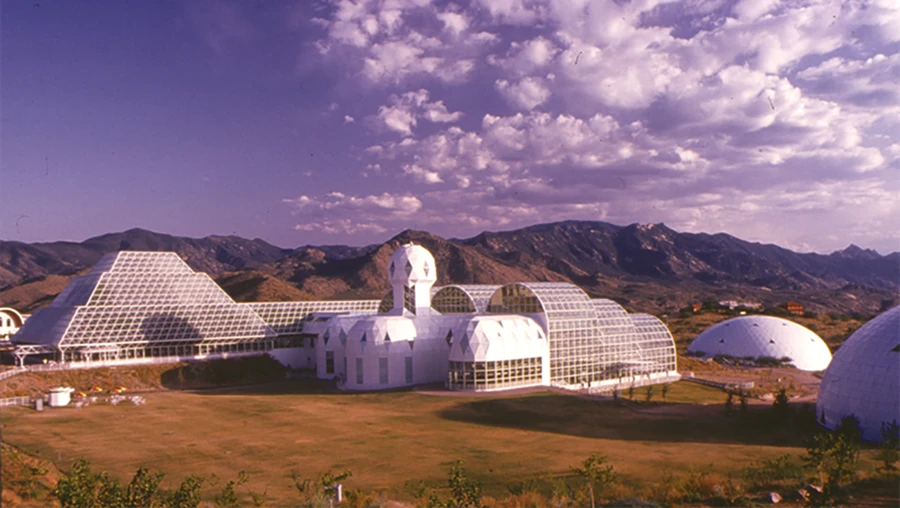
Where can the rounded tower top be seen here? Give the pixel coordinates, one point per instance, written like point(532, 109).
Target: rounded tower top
point(412, 264)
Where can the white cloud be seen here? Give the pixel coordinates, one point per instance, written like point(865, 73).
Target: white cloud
point(514, 12)
point(525, 94)
point(381, 41)
point(405, 110)
point(715, 115)
point(341, 227)
point(392, 204)
point(454, 22)
point(421, 174)
point(524, 58)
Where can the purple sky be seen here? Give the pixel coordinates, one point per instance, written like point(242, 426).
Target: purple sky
point(349, 121)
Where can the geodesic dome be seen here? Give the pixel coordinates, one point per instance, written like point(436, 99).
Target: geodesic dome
point(863, 379)
point(761, 337)
point(412, 264)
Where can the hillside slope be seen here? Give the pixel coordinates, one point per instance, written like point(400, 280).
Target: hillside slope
point(21, 262)
point(648, 267)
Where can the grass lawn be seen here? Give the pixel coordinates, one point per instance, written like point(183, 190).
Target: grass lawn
point(387, 439)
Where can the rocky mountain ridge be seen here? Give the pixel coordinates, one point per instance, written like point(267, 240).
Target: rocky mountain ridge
point(651, 267)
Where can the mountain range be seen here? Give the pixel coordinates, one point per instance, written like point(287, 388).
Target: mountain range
point(646, 267)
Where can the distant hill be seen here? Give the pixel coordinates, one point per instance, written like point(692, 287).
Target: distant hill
point(656, 251)
point(253, 286)
point(646, 267)
point(364, 276)
point(21, 262)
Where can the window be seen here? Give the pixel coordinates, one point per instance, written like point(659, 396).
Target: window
point(479, 376)
point(409, 298)
point(409, 370)
point(359, 371)
point(383, 371)
point(329, 362)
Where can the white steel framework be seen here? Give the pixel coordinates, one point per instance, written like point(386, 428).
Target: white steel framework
point(288, 318)
point(144, 304)
point(463, 299)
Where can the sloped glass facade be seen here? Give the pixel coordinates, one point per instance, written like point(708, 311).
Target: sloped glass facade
point(288, 318)
point(141, 304)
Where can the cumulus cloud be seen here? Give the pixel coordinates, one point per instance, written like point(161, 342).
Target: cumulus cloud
point(525, 94)
point(382, 41)
point(386, 203)
point(338, 213)
point(404, 111)
point(421, 174)
point(708, 114)
point(340, 226)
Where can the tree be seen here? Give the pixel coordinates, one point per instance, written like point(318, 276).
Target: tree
point(464, 491)
point(596, 474)
point(329, 481)
point(228, 498)
point(665, 391)
point(143, 488)
point(649, 395)
point(78, 487)
point(187, 495)
point(729, 403)
point(743, 399)
point(889, 450)
point(780, 405)
point(835, 455)
point(315, 493)
point(631, 391)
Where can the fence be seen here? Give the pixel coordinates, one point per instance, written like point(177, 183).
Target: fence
point(722, 386)
point(150, 360)
point(10, 373)
point(15, 401)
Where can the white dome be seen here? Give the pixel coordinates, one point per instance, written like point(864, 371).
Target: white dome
point(863, 380)
point(412, 264)
point(379, 330)
point(764, 336)
point(492, 338)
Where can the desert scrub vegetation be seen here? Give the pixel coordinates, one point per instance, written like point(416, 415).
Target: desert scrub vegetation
point(593, 482)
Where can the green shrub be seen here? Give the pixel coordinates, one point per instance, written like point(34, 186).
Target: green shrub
point(771, 474)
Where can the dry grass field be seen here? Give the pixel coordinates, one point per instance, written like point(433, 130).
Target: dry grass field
point(388, 439)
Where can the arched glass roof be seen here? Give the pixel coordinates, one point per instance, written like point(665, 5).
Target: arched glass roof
point(463, 299)
point(570, 323)
point(614, 319)
point(655, 343)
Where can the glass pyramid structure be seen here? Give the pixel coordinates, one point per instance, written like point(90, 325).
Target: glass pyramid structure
point(144, 304)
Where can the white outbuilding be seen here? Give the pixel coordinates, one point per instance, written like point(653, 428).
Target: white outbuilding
point(863, 380)
point(764, 337)
point(10, 322)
